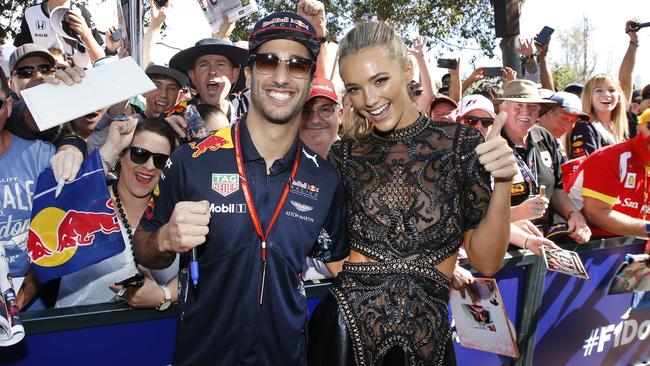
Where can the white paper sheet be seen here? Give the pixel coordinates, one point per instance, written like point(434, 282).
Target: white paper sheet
point(52, 105)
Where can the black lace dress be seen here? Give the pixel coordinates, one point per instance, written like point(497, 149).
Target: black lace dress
point(411, 195)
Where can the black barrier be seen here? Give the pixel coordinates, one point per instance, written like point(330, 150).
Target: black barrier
point(76, 335)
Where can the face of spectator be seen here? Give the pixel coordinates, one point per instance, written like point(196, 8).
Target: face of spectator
point(443, 111)
point(3, 40)
point(635, 108)
point(163, 97)
point(377, 85)
point(604, 98)
point(521, 118)
point(478, 118)
point(5, 111)
point(22, 78)
point(213, 75)
point(85, 125)
point(140, 179)
point(558, 122)
point(278, 95)
point(645, 104)
point(320, 123)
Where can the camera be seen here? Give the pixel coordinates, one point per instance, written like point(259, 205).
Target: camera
point(492, 71)
point(544, 35)
point(447, 63)
point(635, 26)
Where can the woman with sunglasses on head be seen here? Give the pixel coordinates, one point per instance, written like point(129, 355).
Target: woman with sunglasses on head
point(415, 191)
point(137, 151)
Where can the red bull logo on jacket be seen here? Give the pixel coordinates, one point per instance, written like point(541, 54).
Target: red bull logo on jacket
point(221, 139)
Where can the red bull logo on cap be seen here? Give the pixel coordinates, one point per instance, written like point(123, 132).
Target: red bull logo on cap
point(55, 235)
point(220, 139)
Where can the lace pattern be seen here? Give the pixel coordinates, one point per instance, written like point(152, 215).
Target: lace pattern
point(411, 195)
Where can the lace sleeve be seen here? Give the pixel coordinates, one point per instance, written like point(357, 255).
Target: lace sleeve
point(475, 181)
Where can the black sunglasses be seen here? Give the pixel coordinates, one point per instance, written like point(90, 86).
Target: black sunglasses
point(140, 156)
point(485, 122)
point(26, 72)
point(267, 64)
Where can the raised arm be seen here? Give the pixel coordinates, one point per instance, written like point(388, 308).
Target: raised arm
point(545, 75)
point(314, 12)
point(158, 17)
point(488, 242)
point(627, 65)
point(427, 96)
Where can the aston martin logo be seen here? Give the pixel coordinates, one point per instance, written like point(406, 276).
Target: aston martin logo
point(301, 206)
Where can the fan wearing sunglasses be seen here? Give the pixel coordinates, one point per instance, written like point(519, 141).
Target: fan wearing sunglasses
point(31, 65)
point(476, 111)
point(136, 151)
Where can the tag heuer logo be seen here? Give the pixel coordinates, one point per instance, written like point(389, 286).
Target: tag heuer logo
point(40, 24)
point(225, 184)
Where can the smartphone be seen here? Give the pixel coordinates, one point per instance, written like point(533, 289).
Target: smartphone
point(136, 280)
point(544, 35)
point(160, 3)
point(447, 63)
point(492, 71)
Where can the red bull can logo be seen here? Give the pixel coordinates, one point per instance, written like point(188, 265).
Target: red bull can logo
point(220, 139)
point(54, 234)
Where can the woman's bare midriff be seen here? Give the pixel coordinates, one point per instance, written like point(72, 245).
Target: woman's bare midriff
point(446, 267)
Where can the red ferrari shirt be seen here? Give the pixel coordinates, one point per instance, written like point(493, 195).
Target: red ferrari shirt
point(618, 176)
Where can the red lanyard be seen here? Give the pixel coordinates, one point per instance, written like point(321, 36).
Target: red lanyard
point(251, 205)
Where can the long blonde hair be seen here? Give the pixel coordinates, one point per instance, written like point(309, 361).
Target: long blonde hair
point(365, 35)
point(618, 115)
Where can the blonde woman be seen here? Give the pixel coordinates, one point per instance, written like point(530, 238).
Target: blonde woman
point(603, 99)
point(416, 189)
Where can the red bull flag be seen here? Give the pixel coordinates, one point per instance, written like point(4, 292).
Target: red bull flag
point(75, 230)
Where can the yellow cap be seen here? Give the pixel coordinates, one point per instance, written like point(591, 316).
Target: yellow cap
point(644, 117)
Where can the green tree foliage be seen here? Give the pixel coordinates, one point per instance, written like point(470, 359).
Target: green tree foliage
point(565, 75)
point(11, 12)
point(436, 20)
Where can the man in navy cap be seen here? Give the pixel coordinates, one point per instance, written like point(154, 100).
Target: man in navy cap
point(213, 68)
point(250, 202)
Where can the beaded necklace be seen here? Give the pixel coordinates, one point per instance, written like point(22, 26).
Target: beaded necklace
point(125, 221)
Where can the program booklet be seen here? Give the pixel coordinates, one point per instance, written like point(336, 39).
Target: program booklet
point(11, 327)
point(215, 10)
point(633, 275)
point(564, 261)
point(481, 319)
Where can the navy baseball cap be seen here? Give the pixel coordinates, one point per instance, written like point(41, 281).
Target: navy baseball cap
point(570, 103)
point(285, 25)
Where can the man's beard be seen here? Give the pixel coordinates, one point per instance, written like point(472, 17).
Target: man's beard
point(257, 97)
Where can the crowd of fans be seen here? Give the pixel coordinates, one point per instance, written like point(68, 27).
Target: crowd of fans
point(583, 153)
